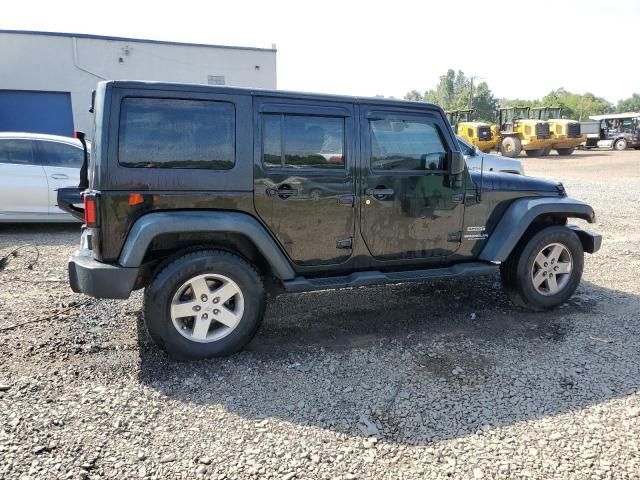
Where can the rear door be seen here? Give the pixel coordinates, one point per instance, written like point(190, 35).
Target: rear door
point(23, 184)
point(410, 208)
point(304, 181)
point(61, 162)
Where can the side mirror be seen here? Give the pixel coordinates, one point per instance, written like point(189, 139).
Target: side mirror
point(476, 151)
point(457, 163)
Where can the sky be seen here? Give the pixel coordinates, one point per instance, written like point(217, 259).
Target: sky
point(521, 49)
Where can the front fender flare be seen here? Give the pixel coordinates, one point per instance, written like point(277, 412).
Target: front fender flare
point(521, 214)
point(149, 226)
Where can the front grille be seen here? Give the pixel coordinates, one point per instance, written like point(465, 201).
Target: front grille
point(573, 129)
point(484, 133)
point(542, 130)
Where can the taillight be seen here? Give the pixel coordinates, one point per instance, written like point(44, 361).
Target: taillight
point(90, 210)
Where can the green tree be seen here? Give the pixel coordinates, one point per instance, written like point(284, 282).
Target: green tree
point(445, 91)
point(414, 96)
point(631, 104)
point(484, 103)
point(575, 106)
point(452, 93)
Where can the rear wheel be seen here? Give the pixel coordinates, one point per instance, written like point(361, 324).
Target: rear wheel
point(544, 270)
point(621, 144)
point(510, 147)
point(535, 153)
point(204, 304)
point(545, 151)
point(565, 151)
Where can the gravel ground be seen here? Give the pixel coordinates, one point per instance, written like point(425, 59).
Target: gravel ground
point(446, 380)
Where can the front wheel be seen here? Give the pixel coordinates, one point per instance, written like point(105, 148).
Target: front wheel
point(510, 147)
point(544, 270)
point(204, 304)
point(621, 144)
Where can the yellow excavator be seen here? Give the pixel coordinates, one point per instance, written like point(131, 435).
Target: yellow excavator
point(479, 134)
point(566, 134)
point(519, 132)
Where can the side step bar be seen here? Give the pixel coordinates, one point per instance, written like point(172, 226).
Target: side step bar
point(361, 279)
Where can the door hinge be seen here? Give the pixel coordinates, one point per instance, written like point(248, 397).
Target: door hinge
point(454, 237)
point(344, 242)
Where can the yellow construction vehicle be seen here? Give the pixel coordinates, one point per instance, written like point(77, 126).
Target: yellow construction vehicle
point(479, 134)
point(519, 132)
point(566, 134)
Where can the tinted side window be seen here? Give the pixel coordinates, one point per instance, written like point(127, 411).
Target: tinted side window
point(406, 145)
point(55, 154)
point(173, 133)
point(303, 141)
point(16, 151)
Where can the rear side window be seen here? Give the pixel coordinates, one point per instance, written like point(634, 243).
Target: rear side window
point(56, 154)
point(406, 145)
point(175, 133)
point(303, 141)
point(18, 152)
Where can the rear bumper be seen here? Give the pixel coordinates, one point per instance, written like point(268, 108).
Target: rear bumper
point(486, 144)
point(100, 280)
point(591, 242)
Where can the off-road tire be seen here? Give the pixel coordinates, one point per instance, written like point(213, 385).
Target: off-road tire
point(535, 153)
point(160, 292)
point(565, 151)
point(510, 147)
point(545, 151)
point(516, 270)
point(620, 144)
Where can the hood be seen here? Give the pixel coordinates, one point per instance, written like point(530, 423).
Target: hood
point(508, 182)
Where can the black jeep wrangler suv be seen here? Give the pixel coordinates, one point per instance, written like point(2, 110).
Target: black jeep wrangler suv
point(211, 197)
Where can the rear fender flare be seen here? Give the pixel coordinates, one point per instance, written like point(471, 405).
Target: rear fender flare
point(521, 214)
point(149, 226)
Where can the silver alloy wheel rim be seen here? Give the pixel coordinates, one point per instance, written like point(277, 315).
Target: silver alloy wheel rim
point(551, 269)
point(207, 308)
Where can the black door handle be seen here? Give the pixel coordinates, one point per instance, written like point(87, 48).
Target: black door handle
point(283, 191)
point(379, 192)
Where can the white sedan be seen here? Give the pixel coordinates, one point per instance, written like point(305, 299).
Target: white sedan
point(32, 169)
point(476, 160)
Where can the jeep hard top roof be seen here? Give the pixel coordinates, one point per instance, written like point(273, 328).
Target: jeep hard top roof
point(229, 90)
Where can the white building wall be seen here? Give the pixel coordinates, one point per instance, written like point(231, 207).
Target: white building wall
point(76, 64)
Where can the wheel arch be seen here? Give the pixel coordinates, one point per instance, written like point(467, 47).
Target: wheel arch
point(529, 215)
point(182, 230)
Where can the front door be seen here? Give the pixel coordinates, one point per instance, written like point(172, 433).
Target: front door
point(410, 208)
point(61, 163)
point(304, 183)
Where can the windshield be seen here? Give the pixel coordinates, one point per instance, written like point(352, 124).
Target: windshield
point(552, 113)
point(465, 148)
point(521, 113)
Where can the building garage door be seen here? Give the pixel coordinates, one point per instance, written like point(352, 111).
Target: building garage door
point(38, 112)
